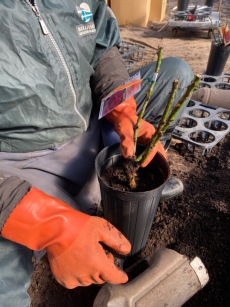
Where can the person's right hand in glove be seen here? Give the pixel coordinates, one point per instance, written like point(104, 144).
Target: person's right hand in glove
point(72, 240)
point(124, 119)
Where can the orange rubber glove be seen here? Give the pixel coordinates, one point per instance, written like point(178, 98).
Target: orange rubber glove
point(71, 238)
point(124, 119)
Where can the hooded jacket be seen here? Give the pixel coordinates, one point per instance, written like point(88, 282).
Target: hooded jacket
point(58, 58)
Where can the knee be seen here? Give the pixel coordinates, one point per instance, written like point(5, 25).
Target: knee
point(177, 68)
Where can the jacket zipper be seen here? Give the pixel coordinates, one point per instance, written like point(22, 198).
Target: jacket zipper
point(46, 31)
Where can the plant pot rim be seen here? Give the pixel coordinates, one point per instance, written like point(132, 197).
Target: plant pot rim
point(117, 145)
point(213, 43)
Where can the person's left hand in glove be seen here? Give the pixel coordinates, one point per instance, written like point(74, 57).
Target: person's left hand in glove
point(124, 119)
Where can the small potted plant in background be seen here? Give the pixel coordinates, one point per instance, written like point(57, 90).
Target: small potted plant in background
point(131, 193)
point(219, 52)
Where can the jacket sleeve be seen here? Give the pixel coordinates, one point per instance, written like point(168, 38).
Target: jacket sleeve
point(110, 71)
point(109, 74)
point(12, 190)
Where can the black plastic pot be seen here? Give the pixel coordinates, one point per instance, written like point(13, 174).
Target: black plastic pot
point(131, 212)
point(209, 3)
point(182, 5)
point(217, 60)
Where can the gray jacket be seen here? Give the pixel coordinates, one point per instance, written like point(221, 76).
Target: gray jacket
point(58, 58)
point(53, 68)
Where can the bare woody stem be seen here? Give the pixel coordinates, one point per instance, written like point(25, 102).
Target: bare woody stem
point(168, 107)
point(147, 97)
point(132, 177)
point(164, 124)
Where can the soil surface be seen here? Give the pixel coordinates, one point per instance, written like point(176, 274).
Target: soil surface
point(197, 223)
point(125, 175)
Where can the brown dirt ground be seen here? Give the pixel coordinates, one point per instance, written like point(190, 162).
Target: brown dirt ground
point(195, 223)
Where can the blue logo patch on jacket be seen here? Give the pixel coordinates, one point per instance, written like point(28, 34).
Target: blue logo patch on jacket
point(84, 12)
point(86, 15)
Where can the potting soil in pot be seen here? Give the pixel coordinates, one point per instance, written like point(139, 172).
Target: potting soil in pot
point(117, 176)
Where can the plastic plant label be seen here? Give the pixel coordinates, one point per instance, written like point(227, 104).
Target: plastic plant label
point(155, 75)
point(226, 35)
point(120, 94)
